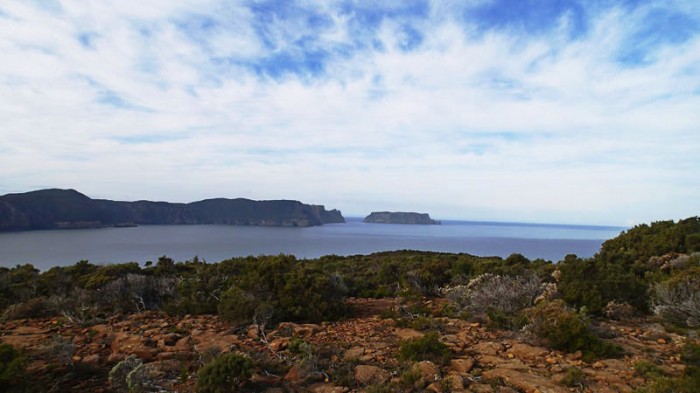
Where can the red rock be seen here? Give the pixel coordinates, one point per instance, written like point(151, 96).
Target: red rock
point(427, 370)
point(486, 348)
point(462, 365)
point(456, 381)
point(408, 334)
point(370, 375)
point(92, 359)
point(181, 355)
point(265, 380)
point(524, 351)
point(327, 388)
point(354, 353)
point(528, 383)
point(170, 339)
point(253, 332)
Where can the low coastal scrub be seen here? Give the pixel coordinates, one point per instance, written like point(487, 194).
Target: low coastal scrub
point(651, 268)
point(427, 347)
point(227, 373)
point(501, 298)
point(12, 369)
point(657, 381)
point(567, 330)
point(648, 269)
point(678, 300)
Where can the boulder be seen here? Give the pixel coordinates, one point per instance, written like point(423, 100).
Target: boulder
point(327, 388)
point(354, 353)
point(370, 375)
point(408, 334)
point(524, 351)
point(486, 348)
point(528, 383)
point(427, 370)
point(463, 365)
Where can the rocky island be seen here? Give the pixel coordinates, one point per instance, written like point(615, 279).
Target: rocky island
point(400, 218)
point(69, 209)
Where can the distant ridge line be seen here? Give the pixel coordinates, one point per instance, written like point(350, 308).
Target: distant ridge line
point(69, 209)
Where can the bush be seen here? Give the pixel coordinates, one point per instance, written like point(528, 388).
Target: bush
point(593, 283)
point(647, 369)
point(279, 289)
point(574, 377)
point(618, 311)
point(499, 297)
point(678, 302)
point(12, 365)
point(224, 374)
point(568, 331)
point(129, 375)
point(658, 382)
point(38, 307)
point(237, 305)
point(427, 347)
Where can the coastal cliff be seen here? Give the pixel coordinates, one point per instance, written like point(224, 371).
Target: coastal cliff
point(69, 209)
point(400, 218)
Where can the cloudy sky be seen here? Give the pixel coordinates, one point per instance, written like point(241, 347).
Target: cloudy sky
point(530, 110)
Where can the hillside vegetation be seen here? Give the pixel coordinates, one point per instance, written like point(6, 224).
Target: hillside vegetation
point(649, 271)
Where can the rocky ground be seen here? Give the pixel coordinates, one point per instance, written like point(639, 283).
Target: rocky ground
point(345, 356)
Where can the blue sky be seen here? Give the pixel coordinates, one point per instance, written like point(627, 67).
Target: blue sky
point(530, 110)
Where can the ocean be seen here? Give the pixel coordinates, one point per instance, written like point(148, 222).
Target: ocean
point(214, 243)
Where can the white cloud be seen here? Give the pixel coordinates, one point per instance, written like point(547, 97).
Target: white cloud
point(489, 126)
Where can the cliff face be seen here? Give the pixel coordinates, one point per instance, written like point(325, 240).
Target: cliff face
point(400, 218)
point(54, 208)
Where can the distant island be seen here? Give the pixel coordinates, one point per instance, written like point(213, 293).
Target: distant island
point(400, 218)
point(69, 209)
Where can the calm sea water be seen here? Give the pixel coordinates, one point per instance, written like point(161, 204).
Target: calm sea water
point(214, 243)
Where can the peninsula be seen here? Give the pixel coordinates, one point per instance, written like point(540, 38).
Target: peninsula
point(69, 209)
point(400, 218)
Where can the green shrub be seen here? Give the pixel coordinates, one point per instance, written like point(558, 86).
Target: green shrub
point(658, 382)
point(574, 377)
point(275, 289)
point(237, 305)
point(38, 307)
point(568, 331)
point(427, 347)
point(12, 373)
point(647, 369)
point(224, 374)
point(410, 379)
point(593, 283)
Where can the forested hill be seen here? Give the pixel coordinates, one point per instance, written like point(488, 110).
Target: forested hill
point(57, 208)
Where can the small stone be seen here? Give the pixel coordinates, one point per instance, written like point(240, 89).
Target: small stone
point(354, 353)
point(551, 360)
point(462, 365)
point(253, 332)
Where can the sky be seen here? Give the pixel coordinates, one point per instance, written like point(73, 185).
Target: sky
point(555, 111)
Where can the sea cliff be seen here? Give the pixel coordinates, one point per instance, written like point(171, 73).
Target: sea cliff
point(69, 209)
